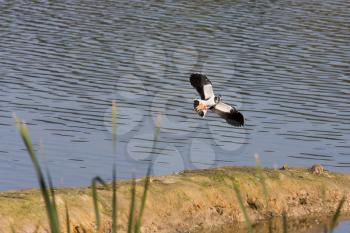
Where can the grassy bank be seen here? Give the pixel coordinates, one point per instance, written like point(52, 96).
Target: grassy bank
point(193, 201)
point(188, 201)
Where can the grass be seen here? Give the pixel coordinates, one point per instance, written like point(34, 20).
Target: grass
point(243, 208)
point(114, 200)
point(336, 215)
point(94, 183)
point(135, 217)
point(132, 206)
point(143, 201)
point(48, 193)
point(67, 219)
point(47, 196)
point(114, 175)
point(285, 224)
point(262, 180)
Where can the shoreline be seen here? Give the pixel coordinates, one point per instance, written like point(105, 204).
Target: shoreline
point(188, 201)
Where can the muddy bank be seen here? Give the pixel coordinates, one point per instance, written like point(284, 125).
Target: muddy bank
point(313, 224)
point(189, 201)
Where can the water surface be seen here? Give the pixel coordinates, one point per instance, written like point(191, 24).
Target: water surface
point(285, 64)
point(296, 225)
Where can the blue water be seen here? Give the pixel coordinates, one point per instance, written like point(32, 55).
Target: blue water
point(284, 64)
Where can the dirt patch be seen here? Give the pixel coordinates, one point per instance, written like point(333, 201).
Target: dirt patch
point(192, 200)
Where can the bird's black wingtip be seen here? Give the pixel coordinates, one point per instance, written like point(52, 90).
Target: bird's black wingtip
point(199, 80)
point(196, 75)
point(236, 119)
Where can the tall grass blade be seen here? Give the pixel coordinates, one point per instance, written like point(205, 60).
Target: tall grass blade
point(336, 215)
point(147, 181)
point(51, 187)
point(155, 140)
point(114, 200)
point(244, 210)
point(53, 199)
point(50, 209)
point(114, 178)
point(114, 125)
point(285, 223)
point(95, 200)
point(132, 206)
point(67, 218)
point(143, 200)
point(262, 180)
point(157, 133)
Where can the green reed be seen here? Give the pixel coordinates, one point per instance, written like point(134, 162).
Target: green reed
point(336, 215)
point(67, 218)
point(94, 183)
point(114, 200)
point(114, 175)
point(262, 180)
point(114, 125)
point(134, 222)
point(143, 201)
point(242, 206)
point(46, 194)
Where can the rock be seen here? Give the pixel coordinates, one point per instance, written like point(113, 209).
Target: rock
point(284, 167)
point(317, 169)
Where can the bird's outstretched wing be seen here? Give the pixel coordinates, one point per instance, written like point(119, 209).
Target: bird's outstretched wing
point(202, 85)
point(229, 113)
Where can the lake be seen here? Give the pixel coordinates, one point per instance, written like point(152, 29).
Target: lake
point(284, 64)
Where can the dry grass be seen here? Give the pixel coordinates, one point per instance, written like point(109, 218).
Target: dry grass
point(191, 200)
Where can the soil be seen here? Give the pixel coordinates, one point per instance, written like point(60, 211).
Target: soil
point(191, 201)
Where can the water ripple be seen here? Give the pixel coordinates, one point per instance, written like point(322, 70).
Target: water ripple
point(285, 65)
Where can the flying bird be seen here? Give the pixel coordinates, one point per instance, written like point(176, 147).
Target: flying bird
point(209, 101)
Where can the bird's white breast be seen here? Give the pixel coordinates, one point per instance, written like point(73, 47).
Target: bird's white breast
point(210, 102)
